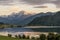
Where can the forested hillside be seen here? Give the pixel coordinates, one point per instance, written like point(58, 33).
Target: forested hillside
point(48, 20)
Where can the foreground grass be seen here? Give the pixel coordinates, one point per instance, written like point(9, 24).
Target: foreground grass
point(10, 38)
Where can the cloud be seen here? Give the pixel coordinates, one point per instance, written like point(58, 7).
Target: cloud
point(36, 2)
point(57, 3)
point(6, 2)
point(9, 2)
point(39, 2)
point(41, 7)
point(29, 2)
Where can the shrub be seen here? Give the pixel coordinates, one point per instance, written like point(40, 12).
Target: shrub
point(19, 36)
point(27, 37)
point(42, 37)
point(23, 36)
point(9, 35)
point(32, 37)
point(57, 37)
point(16, 36)
point(51, 36)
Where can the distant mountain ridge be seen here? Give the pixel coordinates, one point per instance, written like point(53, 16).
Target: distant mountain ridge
point(14, 18)
point(21, 19)
point(29, 19)
point(49, 20)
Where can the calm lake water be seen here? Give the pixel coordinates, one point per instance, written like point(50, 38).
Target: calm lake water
point(6, 31)
point(30, 29)
point(16, 30)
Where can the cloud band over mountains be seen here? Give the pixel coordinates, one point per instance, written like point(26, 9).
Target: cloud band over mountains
point(30, 2)
point(40, 7)
point(39, 2)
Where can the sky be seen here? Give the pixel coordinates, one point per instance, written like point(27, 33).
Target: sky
point(7, 7)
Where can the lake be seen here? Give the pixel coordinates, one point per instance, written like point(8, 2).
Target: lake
point(15, 31)
point(41, 29)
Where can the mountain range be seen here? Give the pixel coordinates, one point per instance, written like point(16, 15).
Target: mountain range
point(21, 19)
point(14, 18)
point(48, 20)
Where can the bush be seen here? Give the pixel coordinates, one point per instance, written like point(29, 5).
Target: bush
point(57, 37)
point(9, 35)
point(51, 36)
point(19, 36)
point(16, 36)
point(23, 36)
point(42, 37)
point(27, 37)
point(32, 37)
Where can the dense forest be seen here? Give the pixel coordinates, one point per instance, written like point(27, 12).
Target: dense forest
point(48, 20)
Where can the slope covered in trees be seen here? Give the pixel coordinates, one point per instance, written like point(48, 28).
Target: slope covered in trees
point(48, 20)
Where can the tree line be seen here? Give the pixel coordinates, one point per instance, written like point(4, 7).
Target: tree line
point(50, 36)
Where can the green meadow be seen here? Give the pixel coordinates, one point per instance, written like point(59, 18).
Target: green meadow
point(10, 38)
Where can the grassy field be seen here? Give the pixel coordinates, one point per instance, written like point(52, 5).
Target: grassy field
point(10, 38)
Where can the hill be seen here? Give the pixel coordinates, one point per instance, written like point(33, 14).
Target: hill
point(21, 18)
point(48, 20)
point(29, 19)
point(14, 18)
